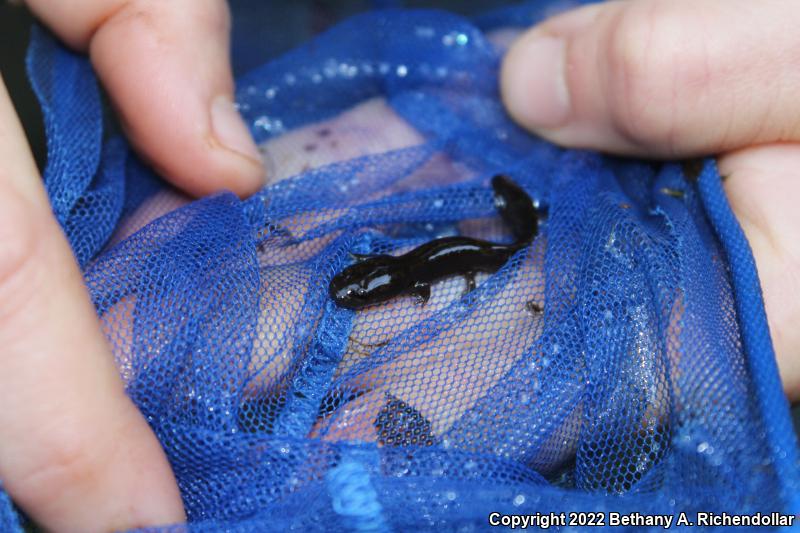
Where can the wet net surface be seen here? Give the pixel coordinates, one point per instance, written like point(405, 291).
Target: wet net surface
point(620, 362)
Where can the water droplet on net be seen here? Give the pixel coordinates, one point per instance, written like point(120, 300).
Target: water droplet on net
point(438, 203)
point(267, 124)
point(426, 32)
point(452, 38)
point(348, 71)
point(450, 495)
point(329, 70)
point(519, 499)
point(402, 70)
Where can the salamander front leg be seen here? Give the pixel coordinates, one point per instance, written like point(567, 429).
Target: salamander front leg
point(359, 257)
point(422, 291)
point(469, 278)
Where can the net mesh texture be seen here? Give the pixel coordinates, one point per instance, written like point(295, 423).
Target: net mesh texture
point(621, 362)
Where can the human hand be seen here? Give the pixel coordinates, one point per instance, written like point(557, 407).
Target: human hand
point(75, 453)
point(682, 78)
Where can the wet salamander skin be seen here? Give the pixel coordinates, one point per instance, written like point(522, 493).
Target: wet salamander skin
point(376, 279)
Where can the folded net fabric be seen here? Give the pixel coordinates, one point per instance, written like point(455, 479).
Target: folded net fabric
point(620, 363)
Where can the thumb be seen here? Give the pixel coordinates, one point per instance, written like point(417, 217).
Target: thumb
point(660, 77)
point(75, 453)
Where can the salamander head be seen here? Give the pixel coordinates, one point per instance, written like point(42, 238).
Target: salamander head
point(518, 210)
point(367, 282)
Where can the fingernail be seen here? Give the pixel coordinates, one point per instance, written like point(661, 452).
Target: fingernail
point(230, 130)
point(534, 82)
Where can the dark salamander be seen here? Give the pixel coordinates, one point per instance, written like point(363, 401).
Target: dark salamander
point(378, 278)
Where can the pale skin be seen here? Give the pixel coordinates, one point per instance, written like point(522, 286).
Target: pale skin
point(655, 78)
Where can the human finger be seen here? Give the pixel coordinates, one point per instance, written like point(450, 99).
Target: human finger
point(663, 78)
point(762, 187)
point(166, 68)
point(75, 453)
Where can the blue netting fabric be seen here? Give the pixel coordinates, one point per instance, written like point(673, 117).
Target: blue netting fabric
point(621, 362)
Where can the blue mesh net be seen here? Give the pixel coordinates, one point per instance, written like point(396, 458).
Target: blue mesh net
point(621, 362)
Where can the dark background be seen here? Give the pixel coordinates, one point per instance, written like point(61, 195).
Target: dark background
point(259, 37)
